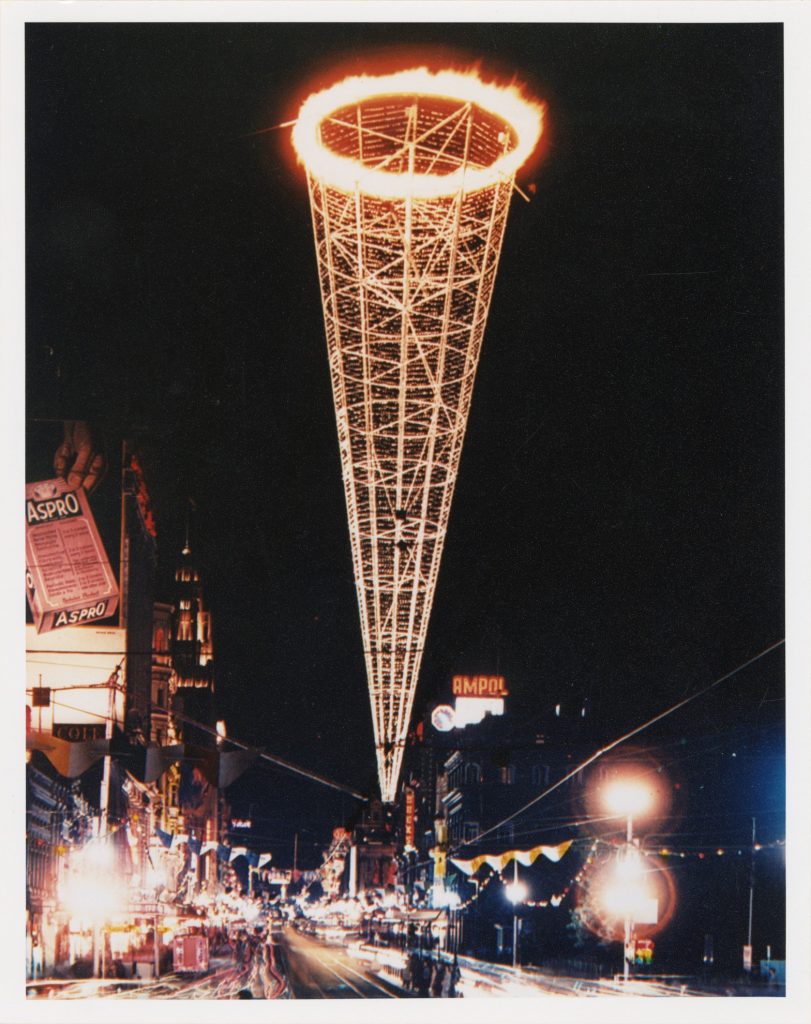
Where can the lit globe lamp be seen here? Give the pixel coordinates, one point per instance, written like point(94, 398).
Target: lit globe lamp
point(628, 797)
point(516, 892)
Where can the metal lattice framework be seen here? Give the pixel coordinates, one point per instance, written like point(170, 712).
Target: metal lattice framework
point(406, 281)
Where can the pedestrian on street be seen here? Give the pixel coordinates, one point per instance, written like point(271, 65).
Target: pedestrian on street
point(407, 974)
point(36, 958)
point(414, 971)
point(436, 981)
point(455, 975)
point(424, 978)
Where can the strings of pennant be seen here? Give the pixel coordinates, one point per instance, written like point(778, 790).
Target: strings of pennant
point(719, 851)
point(558, 898)
point(498, 861)
point(171, 840)
point(72, 759)
point(525, 857)
point(477, 894)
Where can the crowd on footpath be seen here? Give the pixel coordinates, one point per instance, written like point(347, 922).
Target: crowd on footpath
point(249, 944)
point(431, 978)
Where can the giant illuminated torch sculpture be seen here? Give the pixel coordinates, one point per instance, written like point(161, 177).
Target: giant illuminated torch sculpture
point(410, 178)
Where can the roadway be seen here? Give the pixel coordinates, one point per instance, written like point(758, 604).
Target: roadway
point(288, 965)
point(315, 970)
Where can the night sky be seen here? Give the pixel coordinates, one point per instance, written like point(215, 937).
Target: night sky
point(617, 527)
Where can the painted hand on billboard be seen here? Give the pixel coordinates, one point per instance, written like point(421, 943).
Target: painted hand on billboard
point(80, 458)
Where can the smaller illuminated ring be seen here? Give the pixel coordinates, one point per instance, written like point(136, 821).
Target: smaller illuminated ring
point(523, 116)
point(443, 718)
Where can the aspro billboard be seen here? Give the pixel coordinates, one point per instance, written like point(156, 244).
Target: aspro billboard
point(68, 577)
point(74, 664)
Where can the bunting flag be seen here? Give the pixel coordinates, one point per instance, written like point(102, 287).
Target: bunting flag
point(498, 861)
point(207, 761)
point(69, 759)
point(160, 759)
point(165, 837)
point(225, 853)
point(130, 756)
point(552, 901)
point(147, 764)
point(279, 876)
point(233, 764)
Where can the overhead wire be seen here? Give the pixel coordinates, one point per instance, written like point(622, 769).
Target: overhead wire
point(621, 739)
point(263, 755)
point(273, 759)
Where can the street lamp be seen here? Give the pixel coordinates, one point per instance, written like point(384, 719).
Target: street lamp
point(627, 797)
point(516, 893)
point(450, 900)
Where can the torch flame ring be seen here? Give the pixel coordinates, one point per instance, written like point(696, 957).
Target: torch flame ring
point(522, 119)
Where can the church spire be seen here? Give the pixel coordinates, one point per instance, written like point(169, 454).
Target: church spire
point(191, 506)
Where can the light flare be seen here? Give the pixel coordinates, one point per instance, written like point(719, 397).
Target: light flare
point(516, 892)
point(90, 895)
point(628, 797)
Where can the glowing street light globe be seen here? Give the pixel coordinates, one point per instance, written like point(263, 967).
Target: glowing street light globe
point(625, 893)
point(628, 797)
point(629, 899)
point(516, 892)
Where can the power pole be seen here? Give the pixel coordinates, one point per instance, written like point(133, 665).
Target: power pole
point(515, 915)
point(99, 950)
point(751, 887)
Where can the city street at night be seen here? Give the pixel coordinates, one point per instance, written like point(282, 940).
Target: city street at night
point(293, 965)
point(404, 448)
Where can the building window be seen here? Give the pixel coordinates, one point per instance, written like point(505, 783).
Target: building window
point(472, 774)
point(471, 831)
point(540, 775)
point(507, 774)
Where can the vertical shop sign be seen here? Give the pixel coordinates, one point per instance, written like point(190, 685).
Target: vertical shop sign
point(410, 814)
